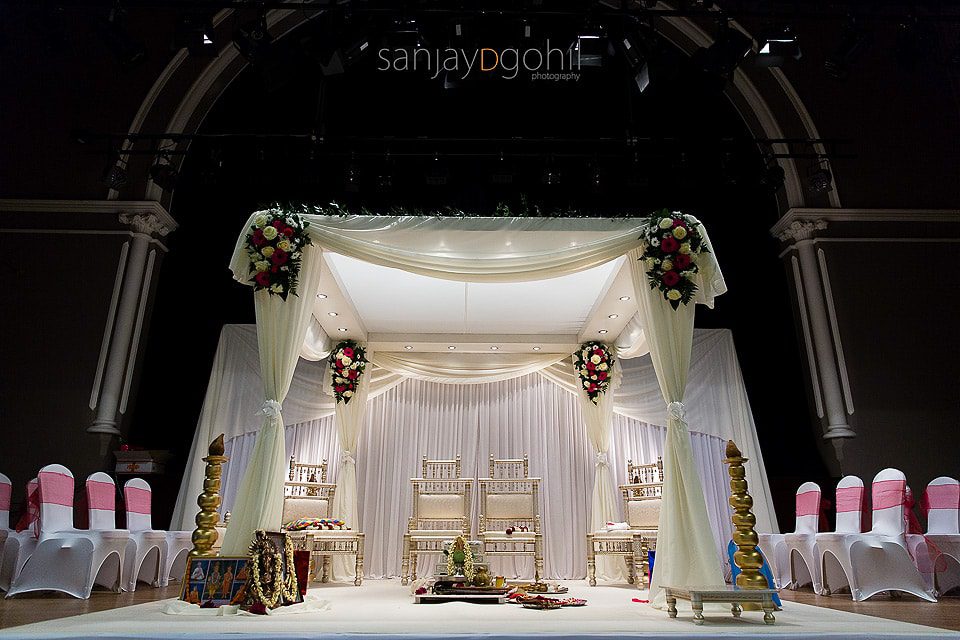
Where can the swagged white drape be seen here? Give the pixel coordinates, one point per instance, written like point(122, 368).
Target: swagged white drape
point(281, 330)
point(467, 250)
point(685, 553)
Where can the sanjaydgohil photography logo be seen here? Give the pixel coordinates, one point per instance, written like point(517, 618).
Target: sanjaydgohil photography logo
point(539, 63)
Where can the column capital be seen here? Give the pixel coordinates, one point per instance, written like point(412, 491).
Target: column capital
point(801, 230)
point(145, 223)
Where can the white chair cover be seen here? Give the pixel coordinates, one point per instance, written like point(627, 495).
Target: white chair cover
point(147, 551)
point(941, 503)
point(801, 544)
point(19, 545)
point(67, 559)
point(877, 560)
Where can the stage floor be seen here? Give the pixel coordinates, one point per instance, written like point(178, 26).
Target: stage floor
point(385, 608)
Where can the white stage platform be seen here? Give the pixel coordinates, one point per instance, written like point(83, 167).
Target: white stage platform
point(385, 609)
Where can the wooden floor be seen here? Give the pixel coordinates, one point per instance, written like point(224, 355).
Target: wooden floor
point(37, 608)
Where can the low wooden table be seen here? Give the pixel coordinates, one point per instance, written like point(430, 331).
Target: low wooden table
point(322, 544)
point(726, 593)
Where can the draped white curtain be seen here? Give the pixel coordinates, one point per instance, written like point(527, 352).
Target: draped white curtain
point(349, 420)
point(465, 368)
point(509, 418)
point(281, 329)
point(686, 554)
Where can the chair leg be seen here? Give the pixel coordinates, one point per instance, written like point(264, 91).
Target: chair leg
point(538, 558)
point(358, 578)
point(644, 564)
point(326, 569)
point(591, 565)
point(631, 570)
point(405, 565)
point(413, 564)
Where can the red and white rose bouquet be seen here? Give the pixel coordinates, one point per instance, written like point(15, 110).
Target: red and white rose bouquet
point(347, 362)
point(672, 244)
point(594, 366)
point(275, 245)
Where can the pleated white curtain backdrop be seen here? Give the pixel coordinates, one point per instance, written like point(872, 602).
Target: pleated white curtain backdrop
point(509, 418)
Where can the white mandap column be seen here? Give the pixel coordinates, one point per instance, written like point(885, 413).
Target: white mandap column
point(122, 336)
point(822, 347)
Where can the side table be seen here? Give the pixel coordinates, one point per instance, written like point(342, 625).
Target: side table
point(725, 593)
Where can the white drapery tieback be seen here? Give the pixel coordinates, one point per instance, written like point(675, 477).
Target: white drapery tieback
point(601, 459)
point(270, 408)
point(347, 458)
point(676, 411)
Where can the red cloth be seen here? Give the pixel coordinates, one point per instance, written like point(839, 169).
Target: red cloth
point(32, 514)
point(301, 562)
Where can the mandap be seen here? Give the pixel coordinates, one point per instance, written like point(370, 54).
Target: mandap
point(666, 261)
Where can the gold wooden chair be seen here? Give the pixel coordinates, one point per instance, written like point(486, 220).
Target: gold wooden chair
point(441, 512)
point(507, 468)
point(511, 502)
point(641, 508)
point(305, 497)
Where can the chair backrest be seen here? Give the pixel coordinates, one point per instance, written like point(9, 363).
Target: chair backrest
point(440, 469)
point(55, 487)
point(137, 498)
point(6, 495)
point(941, 502)
point(641, 505)
point(645, 473)
point(511, 502)
point(507, 468)
point(889, 492)
point(315, 502)
point(304, 472)
point(441, 504)
point(808, 508)
point(850, 505)
point(101, 501)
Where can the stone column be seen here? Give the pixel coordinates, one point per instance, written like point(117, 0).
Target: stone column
point(801, 234)
point(144, 227)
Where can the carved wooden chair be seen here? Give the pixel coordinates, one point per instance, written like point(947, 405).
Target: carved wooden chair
point(512, 502)
point(507, 468)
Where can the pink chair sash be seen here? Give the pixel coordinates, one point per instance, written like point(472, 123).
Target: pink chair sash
point(138, 500)
point(853, 499)
point(32, 514)
point(6, 491)
point(808, 503)
point(889, 493)
point(940, 496)
point(56, 488)
point(101, 495)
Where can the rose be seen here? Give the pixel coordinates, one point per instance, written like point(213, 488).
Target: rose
point(667, 265)
point(681, 261)
point(670, 278)
point(602, 375)
point(352, 374)
point(347, 351)
point(347, 393)
point(678, 222)
point(685, 248)
point(280, 256)
point(278, 224)
point(284, 245)
point(258, 238)
point(669, 244)
point(277, 288)
point(260, 220)
point(263, 279)
point(340, 388)
point(673, 294)
point(267, 251)
point(679, 233)
point(586, 384)
point(269, 233)
point(602, 366)
point(666, 223)
point(346, 361)
point(590, 365)
point(262, 265)
point(288, 232)
point(595, 359)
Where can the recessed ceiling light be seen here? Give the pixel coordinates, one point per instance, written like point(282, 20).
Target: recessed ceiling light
point(451, 347)
point(613, 316)
point(408, 347)
point(536, 348)
point(602, 331)
point(332, 314)
point(343, 329)
point(322, 296)
point(624, 298)
point(494, 348)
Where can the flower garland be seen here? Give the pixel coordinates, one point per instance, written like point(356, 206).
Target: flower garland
point(284, 589)
point(347, 362)
point(594, 366)
point(672, 244)
point(275, 245)
point(460, 544)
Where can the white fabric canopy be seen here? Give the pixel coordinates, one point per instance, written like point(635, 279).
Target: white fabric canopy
point(465, 368)
point(529, 415)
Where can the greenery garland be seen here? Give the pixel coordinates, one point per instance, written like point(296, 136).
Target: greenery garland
point(284, 590)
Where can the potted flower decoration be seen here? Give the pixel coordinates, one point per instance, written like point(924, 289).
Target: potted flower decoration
point(275, 245)
point(672, 244)
point(347, 362)
point(594, 366)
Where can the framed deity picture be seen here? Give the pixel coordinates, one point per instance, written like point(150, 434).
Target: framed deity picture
point(273, 569)
point(216, 581)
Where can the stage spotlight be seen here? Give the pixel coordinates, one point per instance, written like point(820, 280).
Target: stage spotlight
point(589, 48)
point(636, 50)
point(344, 57)
point(404, 33)
point(819, 178)
point(773, 176)
point(164, 174)
point(853, 40)
point(115, 175)
point(253, 38)
point(776, 47)
point(194, 33)
point(729, 48)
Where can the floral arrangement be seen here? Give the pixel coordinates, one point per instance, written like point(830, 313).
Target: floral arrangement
point(672, 244)
point(594, 366)
point(347, 362)
point(275, 245)
point(460, 559)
